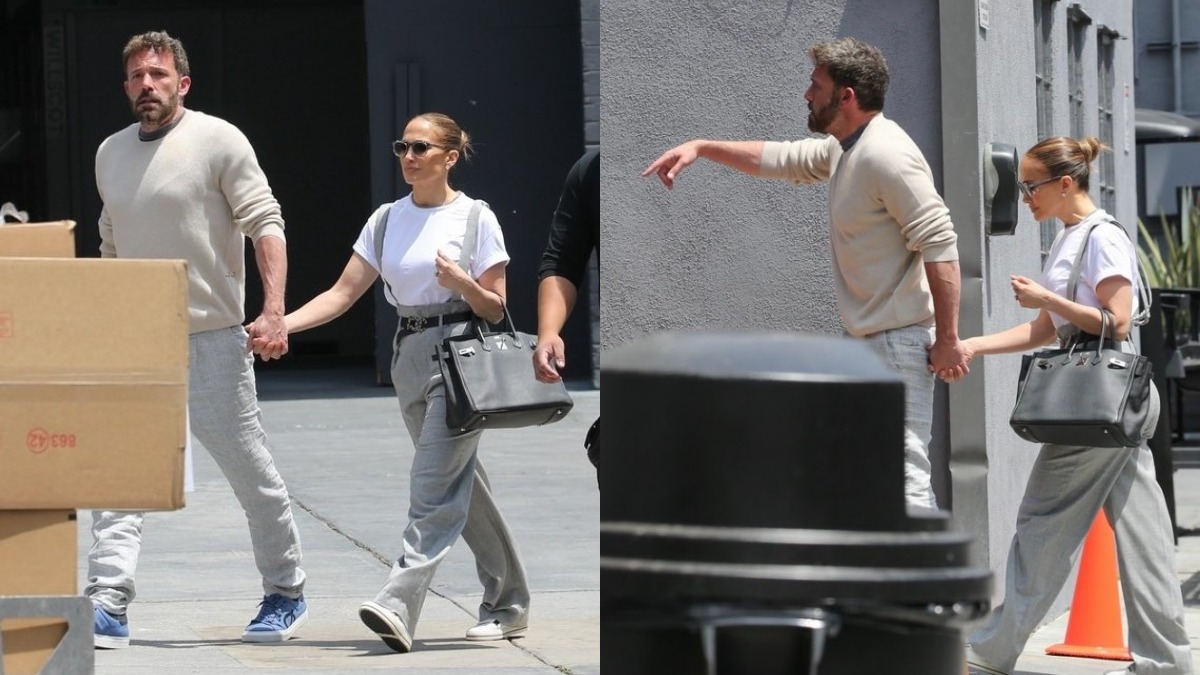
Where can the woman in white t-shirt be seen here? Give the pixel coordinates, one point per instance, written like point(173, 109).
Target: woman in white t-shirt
point(1068, 485)
point(435, 298)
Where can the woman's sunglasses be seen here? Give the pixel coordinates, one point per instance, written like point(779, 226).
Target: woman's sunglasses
point(419, 148)
point(1028, 188)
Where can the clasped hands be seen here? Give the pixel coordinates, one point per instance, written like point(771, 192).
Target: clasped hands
point(942, 357)
point(267, 336)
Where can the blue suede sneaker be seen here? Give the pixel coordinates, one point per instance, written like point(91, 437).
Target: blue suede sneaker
point(278, 617)
point(111, 630)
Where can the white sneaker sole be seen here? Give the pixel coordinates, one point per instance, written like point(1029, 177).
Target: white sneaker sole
point(505, 633)
point(386, 625)
point(275, 635)
point(109, 642)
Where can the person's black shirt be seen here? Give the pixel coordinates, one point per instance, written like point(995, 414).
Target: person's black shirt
point(575, 230)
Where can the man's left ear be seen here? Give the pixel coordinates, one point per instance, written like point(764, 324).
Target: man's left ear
point(185, 83)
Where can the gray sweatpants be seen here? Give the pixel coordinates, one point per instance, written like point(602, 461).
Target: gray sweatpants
point(225, 418)
point(1066, 490)
point(449, 493)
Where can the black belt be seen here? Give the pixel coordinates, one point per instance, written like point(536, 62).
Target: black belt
point(416, 324)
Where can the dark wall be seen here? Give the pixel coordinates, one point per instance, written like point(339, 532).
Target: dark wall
point(511, 74)
point(294, 76)
point(289, 74)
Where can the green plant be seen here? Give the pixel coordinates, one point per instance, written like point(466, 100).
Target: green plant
point(1178, 266)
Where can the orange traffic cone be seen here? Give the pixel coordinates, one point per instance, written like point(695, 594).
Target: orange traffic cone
point(1094, 629)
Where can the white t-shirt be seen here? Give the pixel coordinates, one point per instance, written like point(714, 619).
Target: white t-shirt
point(1109, 254)
point(413, 238)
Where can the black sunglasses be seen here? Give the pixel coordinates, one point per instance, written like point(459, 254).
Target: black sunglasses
point(1028, 188)
point(419, 148)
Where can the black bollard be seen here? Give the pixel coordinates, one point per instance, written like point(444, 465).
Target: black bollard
point(753, 517)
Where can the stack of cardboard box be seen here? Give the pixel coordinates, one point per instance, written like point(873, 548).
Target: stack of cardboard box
point(93, 400)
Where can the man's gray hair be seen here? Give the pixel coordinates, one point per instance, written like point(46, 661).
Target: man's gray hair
point(158, 42)
point(855, 64)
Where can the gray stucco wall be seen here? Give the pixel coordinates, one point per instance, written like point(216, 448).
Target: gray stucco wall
point(725, 250)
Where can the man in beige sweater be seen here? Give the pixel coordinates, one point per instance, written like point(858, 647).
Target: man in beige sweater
point(182, 184)
point(895, 258)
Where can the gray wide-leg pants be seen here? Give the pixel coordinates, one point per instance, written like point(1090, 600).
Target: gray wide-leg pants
point(1066, 490)
point(449, 492)
point(225, 418)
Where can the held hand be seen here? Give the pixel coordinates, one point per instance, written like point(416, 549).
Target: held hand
point(1029, 293)
point(549, 358)
point(954, 374)
point(672, 162)
point(268, 337)
point(449, 274)
point(256, 344)
point(949, 359)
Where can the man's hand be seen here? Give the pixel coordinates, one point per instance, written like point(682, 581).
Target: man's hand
point(268, 337)
point(672, 162)
point(949, 359)
point(548, 358)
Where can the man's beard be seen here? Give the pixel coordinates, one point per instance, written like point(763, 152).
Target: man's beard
point(156, 115)
point(819, 119)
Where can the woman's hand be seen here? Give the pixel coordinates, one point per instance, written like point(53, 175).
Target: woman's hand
point(957, 373)
point(1029, 293)
point(450, 275)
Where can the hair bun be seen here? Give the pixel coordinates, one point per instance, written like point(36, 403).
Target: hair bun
point(1091, 147)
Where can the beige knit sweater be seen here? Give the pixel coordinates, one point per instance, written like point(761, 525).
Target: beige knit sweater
point(194, 194)
point(886, 220)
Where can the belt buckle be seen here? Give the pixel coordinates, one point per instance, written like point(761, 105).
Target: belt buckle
point(415, 324)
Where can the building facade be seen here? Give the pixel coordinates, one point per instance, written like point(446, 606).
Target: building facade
point(725, 251)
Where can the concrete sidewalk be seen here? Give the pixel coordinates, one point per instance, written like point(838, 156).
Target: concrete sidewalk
point(1035, 661)
point(340, 445)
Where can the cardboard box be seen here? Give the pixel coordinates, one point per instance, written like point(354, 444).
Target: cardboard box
point(93, 383)
point(37, 557)
point(38, 240)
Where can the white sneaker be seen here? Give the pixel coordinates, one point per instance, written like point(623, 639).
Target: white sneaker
point(494, 630)
point(386, 624)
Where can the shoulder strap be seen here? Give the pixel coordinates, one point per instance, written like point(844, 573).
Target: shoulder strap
point(381, 221)
point(472, 235)
point(467, 256)
point(1143, 313)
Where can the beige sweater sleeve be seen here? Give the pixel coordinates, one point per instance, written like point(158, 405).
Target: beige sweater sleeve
point(810, 160)
point(903, 183)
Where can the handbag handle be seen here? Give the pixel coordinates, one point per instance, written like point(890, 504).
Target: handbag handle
point(507, 320)
point(1106, 320)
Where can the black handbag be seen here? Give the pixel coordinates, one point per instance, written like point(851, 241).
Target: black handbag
point(490, 383)
point(1090, 395)
point(1087, 393)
